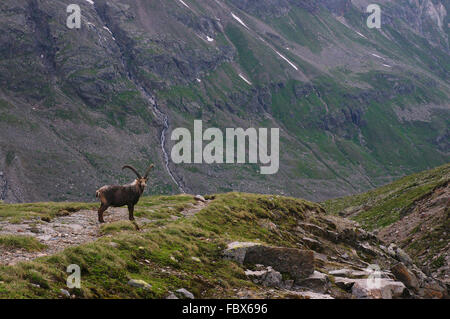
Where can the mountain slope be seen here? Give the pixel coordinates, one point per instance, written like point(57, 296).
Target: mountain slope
point(412, 212)
point(356, 106)
point(212, 249)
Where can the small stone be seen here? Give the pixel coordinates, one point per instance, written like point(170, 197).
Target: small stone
point(199, 198)
point(139, 284)
point(185, 293)
point(65, 293)
point(171, 295)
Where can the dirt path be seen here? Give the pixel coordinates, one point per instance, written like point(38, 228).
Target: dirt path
point(72, 230)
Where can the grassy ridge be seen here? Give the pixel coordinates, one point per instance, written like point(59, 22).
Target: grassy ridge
point(161, 254)
point(14, 213)
point(384, 206)
point(27, 243)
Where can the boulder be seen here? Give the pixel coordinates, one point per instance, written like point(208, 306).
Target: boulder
point(402, 274)
point(237, 250)
point(317, 282)
point(399, 254)
point(313, 244)
point(185, 293)
point(433, 290)
point(298, 263)
point(378, 289)
point(267, 277)
point(344, 283)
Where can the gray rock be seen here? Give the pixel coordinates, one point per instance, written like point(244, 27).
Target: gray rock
point(139, 284)
point(317, 282)
point(267, 277)
point(344, 283)
point(341, 272)
point(313, 244)
point(65, 293)
point(199, 198)
point(185, 293)
point(399, 254)
point(171, 295)
point(298, 263)
point(314, 295)
point(237, 250)
point(385, 289)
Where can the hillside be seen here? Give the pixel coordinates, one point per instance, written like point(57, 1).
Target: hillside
point(356, 107)
point(412, 212)
point(232, 245)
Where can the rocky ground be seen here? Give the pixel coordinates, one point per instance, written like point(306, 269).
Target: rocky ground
point(425, 233)
point(228, 245)
point(66, 231)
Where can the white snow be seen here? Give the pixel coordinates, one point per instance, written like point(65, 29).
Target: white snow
point(90, 1)
point(284, 58)
point(377, 56)
point(198, 80)
point(243, 78)
point(361, 35)
point(107, 29)
point(209, 39)
point(184, 3)
point(238, 19)
point(387, 65)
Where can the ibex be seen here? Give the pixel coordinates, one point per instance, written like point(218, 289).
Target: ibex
point(121, 195)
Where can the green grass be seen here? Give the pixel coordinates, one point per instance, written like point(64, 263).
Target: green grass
point(19, 212)
point(161, 254)
point(385, 205)
point(27, 243)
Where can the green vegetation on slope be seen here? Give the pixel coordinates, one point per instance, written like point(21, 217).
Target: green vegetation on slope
point(385, 205)
point(24, 242)
point(16, 212)
point(161, 254)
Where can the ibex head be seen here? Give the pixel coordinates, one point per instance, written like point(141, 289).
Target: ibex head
point(140, 180)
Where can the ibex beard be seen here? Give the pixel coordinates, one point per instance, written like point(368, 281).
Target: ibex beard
point(121, 195)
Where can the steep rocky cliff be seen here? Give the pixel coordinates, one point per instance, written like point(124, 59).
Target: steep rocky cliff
point(356, 106)
point(412, 213)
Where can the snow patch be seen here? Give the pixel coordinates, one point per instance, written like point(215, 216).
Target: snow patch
point(361, 35)
point(284, 58)
point(238, 19)
point(387, 65)
point(184, 3)
point(90, 2)
point(209, 39)
point(198, 80)
point(243, 78)
point(377, 56)
point(107, 29)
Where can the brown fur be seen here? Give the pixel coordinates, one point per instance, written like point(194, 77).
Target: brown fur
point(121, 195)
